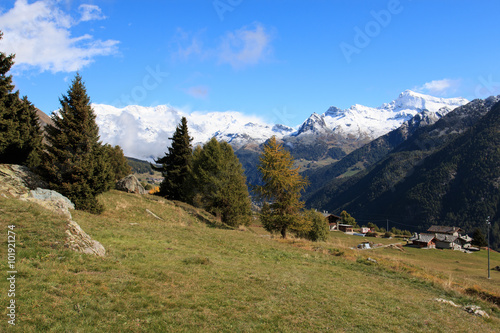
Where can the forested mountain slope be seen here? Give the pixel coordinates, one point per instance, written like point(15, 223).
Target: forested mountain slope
point(446, 173)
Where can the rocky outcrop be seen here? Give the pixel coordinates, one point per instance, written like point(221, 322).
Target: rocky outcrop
point(52, 200)
point(17, 181)
point(20, 183)
point(130, 184)
point(79, 241)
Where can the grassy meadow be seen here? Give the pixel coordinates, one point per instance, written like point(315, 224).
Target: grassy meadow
point(179, 274)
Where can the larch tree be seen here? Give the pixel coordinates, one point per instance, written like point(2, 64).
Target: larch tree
point(76, 163)
point(175, 166)
point(282, 185)
point(220, 183)
point(20, 134)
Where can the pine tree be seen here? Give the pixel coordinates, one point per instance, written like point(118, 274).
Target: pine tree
point(20, 134)
point(118, 162)
point(220, 183)
point(478, 238)
point(176, 165)
point(281, 189)
point(75, 163)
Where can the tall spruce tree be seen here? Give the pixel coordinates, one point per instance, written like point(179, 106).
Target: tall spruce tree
point(175, 166)
point(75, 163)
point(220, 183)
point(281, 189)
point(20, 134)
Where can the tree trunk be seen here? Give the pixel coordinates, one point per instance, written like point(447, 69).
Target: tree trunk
point(283, 232)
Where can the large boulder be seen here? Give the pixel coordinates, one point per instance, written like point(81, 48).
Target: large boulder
point(52, 200)
point(20, 183)
point(17, 181)
point(130, 184)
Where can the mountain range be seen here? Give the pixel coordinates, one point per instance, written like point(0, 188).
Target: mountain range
point(415, 161)
point(143, 132)
point(445, 173)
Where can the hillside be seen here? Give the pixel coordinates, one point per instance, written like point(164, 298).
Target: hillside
point(180, 274)
point(424, 132)
point(446, 173)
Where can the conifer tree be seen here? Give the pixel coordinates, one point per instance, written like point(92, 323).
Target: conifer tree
point(75, 163)
point(281, 189)
point(20, 134)
point(478, 238)
point(118, 162)
point(220, 183)
point(175, 166)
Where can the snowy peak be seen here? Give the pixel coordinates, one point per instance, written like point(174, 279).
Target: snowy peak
point(410, 100)
point(315, 124)
point(363, 122)
point(144, 132)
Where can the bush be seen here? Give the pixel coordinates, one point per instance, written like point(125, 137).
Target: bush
point(387, 234)
point(319, 229)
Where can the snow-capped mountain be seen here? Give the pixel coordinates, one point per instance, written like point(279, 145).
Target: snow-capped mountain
point(360, 121)
point(143, 132)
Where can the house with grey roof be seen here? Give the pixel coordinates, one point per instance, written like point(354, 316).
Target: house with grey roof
point(423, 240)
point(442, 237)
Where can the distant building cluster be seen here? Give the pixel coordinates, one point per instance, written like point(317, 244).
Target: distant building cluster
point(442, 237)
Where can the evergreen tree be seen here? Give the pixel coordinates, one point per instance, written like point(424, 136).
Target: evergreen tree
point(75, 163)
point(478, 238)
point(176, 165)
point(118, 161)
point(220, 183)
point(20, 134)
point(281, 189)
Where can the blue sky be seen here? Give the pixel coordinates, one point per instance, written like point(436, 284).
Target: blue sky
point(281, 60)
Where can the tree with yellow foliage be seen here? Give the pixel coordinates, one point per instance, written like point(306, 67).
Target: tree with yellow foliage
point(280, 191)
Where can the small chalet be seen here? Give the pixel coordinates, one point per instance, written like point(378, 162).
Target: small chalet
point(444, 241)
point(424, 240)
point(333, 221)
point(364, 230)
point(346, 228)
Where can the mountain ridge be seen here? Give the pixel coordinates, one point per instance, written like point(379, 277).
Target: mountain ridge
point(143, 132)
point(445, 173)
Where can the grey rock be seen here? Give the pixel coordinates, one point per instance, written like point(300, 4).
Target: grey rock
point(130, 184)
point(20, 183)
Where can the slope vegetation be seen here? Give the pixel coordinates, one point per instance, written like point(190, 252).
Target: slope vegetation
point(447, 173)
point(173, 272)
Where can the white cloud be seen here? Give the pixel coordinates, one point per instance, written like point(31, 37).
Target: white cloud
point(440, 87)
point(40, 35)
point(90, 13)
point(246, 46)
point(188, 45)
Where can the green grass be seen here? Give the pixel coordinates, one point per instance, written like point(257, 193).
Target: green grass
point(181, 275)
